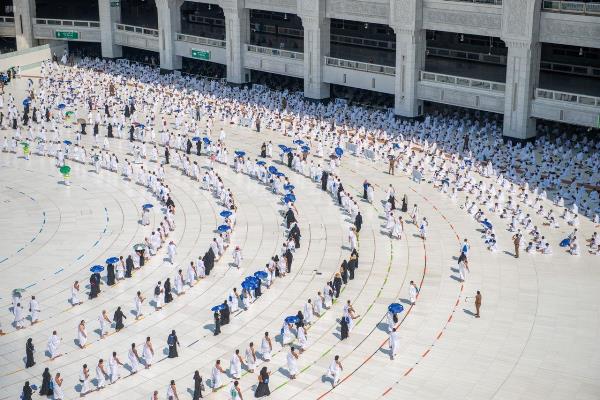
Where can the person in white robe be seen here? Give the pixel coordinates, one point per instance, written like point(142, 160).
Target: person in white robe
point(292, 363)
point(412, 292)
point(34, 309)
point(52, 346)
point(335, 370)
point(266, 347)
point(113, 365)
point(171, 250)
point(18, 316)
point(84, 379)
point(216, 376)
point(145, 216)
point(302, 339)
point(235, 365)
point(82, 335)
point(105, 323)
point(178, 283)
point(57, 387)
point(137, 302)
point(394, 340)
point(134, 359)
point(237, 257)
point(101, 375)
point(286, 337)
point(352, 239)
point(148, 353)
point(250, 357)
point(308, 312)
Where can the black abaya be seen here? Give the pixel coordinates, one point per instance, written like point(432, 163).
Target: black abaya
point(29, 349)
point(110, 275)
point(45, 388)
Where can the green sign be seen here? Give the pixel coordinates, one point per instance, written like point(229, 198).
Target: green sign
point(201, 54)
point(66, 35)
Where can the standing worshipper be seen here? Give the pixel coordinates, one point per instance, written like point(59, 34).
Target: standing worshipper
point(217, 323)
point(110, 274)
point(394, 340)
point(167, 290)
point(53, 343)
point(46, 388)
point(344, 328)
point(266, 347)
point(158, 296)
point(335, 370)
point(84, 379)
point(128, 266)
point(81, 334)
point(18, 316)
point(292, 363)
point(138, 300)
point(216, 376)
point(262, 389)
point(477, 303)
point(34, 309)
point(235, 365)
point(198, 386)
point(118, 318)
point(134, 358)
point(358, 221)
point(172, 391)
point(113, 365)
point(103, 319)
point(173, 342)
point(352, 263)
point(57, 387)
point(148, 353)
point(413, 291)
point(29, 350)
point(27, 392)
point(75, 294)
point(101, 375)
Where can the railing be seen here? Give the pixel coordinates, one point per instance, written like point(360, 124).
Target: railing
point(463, 81)
point(137, 29)
point(493, 2)
point(275, 52)
point(574, 7)
point(67, 22)
point(567, 97)
point(466, 55)
point(583, 70)
point(7, 20)
point(201, 40)
point(360, 66)
point(199, 19)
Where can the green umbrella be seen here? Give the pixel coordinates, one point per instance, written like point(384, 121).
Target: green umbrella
point(24, 143)
point(19, 290)
point(65, 169)
point(69, 113)
point(139, 247)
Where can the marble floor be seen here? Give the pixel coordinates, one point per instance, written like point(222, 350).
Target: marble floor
point(537, 337)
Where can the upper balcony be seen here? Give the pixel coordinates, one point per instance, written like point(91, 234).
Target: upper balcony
point(138, 37)
point(480, 17)
point(362, 75)
point(201, 48)
point(7, 26)
point(66, 29)
point(566, 107)
point(571, 23)
point(276, 61)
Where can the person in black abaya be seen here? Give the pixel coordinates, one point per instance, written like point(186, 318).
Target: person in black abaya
point(167, 154)
point(262, 389)
point(404, 204)
point(128, 266)
point(339, 194)
point(295, 234)
point(168, 294)
point(225, 313)
point(217, 323)
point(118, 318)
point(110, 274)
point(45, 389)
point(263, 150)
point(343, 328)
point(126, 112)
point(131, 130)
point(358, 221)
point(290, 158)
point(209, 260)
point(29, 349)
point(344, 272)
point(324, 178)
point(27, 392)
point(392, 201)
point(337, 285)
point(352, 263)
point(173, 342)
point(289, 218)
point(110, 131)
point(96, 129)
point(188, 146)
point(289, 257)
point(198, 152)
point(94, 285)
point(198, 386)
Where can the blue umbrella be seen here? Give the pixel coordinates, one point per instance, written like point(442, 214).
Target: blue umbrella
point(218, 308)
point(261, 274)
point(97, 268)
point(141, 126)
point(299, 142)
point(34, 387)
point(260, 163)
point(252, 279)
point(206, 140)
point(61, 106)
point(223, 228)
point(565, 242)
point(289, 197)
point(395, 308)
point(280, 174)
point(147, 206)
point(339, 151)
point(67, 142)
point(248, 285)
point(305, 149)
point(27, 101)
point(287, 150)
point(112, 260)
point(487, 224)
point(272, 169)
point(196, 139)
point(395, 145)
point(240, 153)
point(282, 147)
point(225, 213)
point(292, 319)
point(289, 187)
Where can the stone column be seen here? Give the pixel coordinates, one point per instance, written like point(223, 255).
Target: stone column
point(406, 18)
point(169, 23)
point(110, 14)
point(316, 46)
point(522, 77)
point(520, 32)
point(237, 34)
point(24, 11)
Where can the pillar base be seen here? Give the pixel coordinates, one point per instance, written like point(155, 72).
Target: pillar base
point(515, 140)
